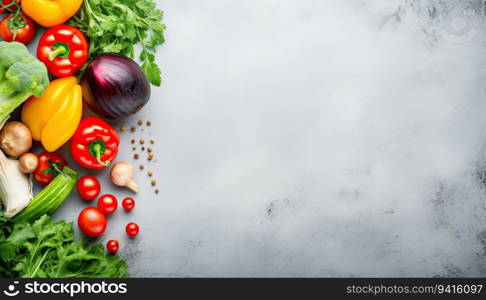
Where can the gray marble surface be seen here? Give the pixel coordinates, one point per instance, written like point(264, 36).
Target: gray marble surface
point(312, 138)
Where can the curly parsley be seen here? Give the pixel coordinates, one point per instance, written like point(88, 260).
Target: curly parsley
point(117, 26)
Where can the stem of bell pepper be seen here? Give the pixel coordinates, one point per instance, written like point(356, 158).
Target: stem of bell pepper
point(53, 169)
point(60, 50)
point(56, 168)
point(97, 148)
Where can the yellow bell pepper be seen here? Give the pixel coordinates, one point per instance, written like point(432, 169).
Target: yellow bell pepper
point(54, 117)
point(50, 13)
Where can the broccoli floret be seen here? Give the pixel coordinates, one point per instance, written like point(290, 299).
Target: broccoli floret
point(21, 76)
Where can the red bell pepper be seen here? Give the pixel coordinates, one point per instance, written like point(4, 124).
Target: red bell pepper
point(95, 143)
point(50, 164)
point(63, 49)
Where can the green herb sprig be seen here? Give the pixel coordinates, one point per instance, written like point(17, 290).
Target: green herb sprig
point(117, 26)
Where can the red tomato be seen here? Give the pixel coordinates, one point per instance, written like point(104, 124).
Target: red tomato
point(88, 187)
point(49, 166)
point(9, 7)
point(22, 26)
point(128, 203)
point(132, 229)
point(92, 221)
point(107, 204)
point(112, 246)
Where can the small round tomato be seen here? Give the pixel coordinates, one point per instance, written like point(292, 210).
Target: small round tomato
point(112, 246)
point(107, 204)
point(128, 203)
point(88, 187)
point(20, 29)
point(92, 221)
point(9, 6)
point(50, 164)
point(132, 229)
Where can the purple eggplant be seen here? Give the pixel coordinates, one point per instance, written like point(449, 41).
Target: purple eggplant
point(114, 86)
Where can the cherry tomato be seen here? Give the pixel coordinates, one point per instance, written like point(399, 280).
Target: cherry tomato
point(112, 246)
point(50, 164)
point(107, 204)
point(128, 203)
point(20, 29)
point(92, 221)
point(88, 187)
point(132, 229)
point(9, 7)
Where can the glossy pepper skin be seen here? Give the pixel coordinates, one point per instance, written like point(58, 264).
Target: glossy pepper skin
point(63, 49)
point(95, 143)
point(50, 165)
point(54, 117)
point(50, 13)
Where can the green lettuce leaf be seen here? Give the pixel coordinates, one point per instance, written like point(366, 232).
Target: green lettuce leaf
point(46, 249)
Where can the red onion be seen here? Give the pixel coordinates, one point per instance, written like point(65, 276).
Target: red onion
point(114, 86)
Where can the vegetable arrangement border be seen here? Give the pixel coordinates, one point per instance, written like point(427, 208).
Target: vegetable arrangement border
point(87, 54)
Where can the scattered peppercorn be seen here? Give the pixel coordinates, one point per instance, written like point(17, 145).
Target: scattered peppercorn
point(142, 167)
point(150, 173)
point(142, 141)
point(149, 149)
point(150, 156)
point(123, 128)
point(136, 156)
point(139, 122)
point(152, 141)
point(153, 182)
point(149, 123)
point(133, 129)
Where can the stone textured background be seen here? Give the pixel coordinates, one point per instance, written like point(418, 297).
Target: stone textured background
point(313, 138)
